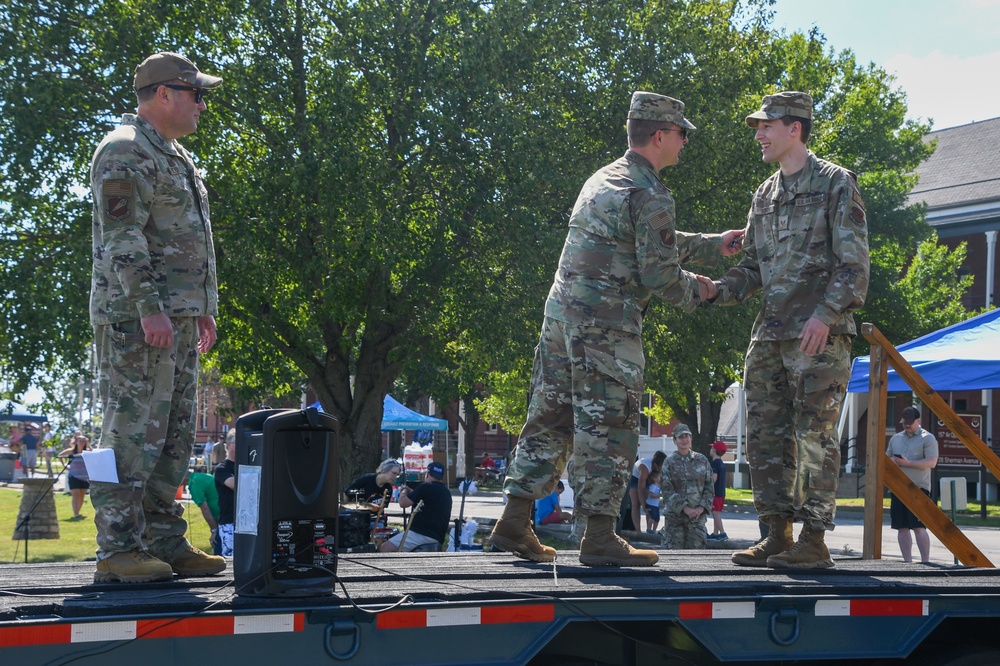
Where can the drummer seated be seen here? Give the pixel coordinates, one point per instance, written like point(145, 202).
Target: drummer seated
point(368, 490)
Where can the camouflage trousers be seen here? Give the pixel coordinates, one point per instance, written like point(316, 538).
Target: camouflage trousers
point(679, 531)
point(148, 397)
point(586, 388)
point(793, 403)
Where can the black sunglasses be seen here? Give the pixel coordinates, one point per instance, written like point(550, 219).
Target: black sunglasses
point(199, 93)
point(682, 130)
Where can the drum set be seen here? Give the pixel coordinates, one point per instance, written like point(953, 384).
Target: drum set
point(363, 527)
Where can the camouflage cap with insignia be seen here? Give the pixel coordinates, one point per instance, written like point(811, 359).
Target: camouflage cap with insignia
point(651, 106)
point(165, 66)
point(790, 103)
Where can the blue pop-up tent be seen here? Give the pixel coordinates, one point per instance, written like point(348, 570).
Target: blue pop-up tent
point(15, 411)
point(396, 416)
point(960, 357)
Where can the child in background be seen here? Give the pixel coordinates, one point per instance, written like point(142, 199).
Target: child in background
point(653, 501)
point(718, 450)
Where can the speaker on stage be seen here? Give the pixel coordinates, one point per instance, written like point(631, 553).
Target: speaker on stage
point(287, 502)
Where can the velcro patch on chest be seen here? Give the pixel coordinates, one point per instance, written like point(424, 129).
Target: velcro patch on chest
point(810, 200)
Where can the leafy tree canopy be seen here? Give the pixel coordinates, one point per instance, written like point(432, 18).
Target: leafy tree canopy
point(390, 181)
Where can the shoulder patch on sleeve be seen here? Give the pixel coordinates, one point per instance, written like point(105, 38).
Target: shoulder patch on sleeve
point(660, 220)
point(858, 215)
point(858, 200)
point(119, 200)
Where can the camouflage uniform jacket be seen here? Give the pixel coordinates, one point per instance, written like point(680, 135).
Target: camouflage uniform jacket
point(622, 248)
point(809, 253)
point(153, 248)
point(687, 481)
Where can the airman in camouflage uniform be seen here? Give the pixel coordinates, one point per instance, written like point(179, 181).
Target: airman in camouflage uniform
point(807, 249)
point(587, 382)
point(688, 491)
point(153, 303)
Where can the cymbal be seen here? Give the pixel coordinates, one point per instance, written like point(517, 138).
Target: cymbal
point(361, 506)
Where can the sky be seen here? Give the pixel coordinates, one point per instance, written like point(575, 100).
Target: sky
point(945, 55)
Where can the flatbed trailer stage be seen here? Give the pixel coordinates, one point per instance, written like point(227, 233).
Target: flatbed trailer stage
point(694, 607)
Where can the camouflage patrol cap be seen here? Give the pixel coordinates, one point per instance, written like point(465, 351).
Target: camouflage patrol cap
point(165, 66)
point(789, 103)
point(681, 429)
point(650, 106)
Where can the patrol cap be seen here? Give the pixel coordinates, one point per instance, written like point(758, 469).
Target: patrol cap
point(789, 103)
point(910, 414)
point(681, 429)
point(651, 106)
point(165, 66)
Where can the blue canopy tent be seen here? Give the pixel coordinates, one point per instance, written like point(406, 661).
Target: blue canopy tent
point(396, 416)
point(15, 411)
point(960, 357)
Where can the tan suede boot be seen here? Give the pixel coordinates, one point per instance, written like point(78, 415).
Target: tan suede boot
point(600, 546)
point(513, 532)
point(194, 562)
point(809, 552)
point(133, 566)
point(778, 540)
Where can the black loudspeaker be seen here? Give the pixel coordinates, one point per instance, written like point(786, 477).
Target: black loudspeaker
point(287, 502)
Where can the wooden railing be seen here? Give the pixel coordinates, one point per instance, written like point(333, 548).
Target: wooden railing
point(884, 355)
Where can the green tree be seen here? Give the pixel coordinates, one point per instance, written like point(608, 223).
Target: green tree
point(385, 176)
point(390, 182)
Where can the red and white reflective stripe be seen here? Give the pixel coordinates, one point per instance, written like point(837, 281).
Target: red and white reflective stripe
point(734, 610)
point(453, 617)
point(871, 607)
point(717, 610)
point(125, 630)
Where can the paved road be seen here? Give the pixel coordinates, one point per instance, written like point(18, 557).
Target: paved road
point(742, 528)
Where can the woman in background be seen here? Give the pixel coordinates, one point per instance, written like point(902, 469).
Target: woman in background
point(76, 476)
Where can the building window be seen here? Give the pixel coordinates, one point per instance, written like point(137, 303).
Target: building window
point(492, 429)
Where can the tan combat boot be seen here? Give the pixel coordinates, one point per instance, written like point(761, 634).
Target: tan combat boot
point(778, 540)
point(513, 532)
point(133, 566)
point(194, 562)
point(809, 552)
point(601, 546)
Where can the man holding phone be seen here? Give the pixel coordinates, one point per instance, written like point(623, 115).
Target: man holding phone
point(915, 451)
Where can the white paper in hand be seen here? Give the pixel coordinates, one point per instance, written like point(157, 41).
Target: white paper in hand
point(101, 465)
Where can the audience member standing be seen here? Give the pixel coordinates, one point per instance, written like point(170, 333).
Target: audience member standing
point(77, 479)
point(687, 493)
point(718, 450)
point(915, 451)
point(225, 486)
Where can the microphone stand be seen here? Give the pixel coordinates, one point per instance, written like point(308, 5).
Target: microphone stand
point(460, 521)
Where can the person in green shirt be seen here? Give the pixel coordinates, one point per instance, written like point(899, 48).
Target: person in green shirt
point(206, 497)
